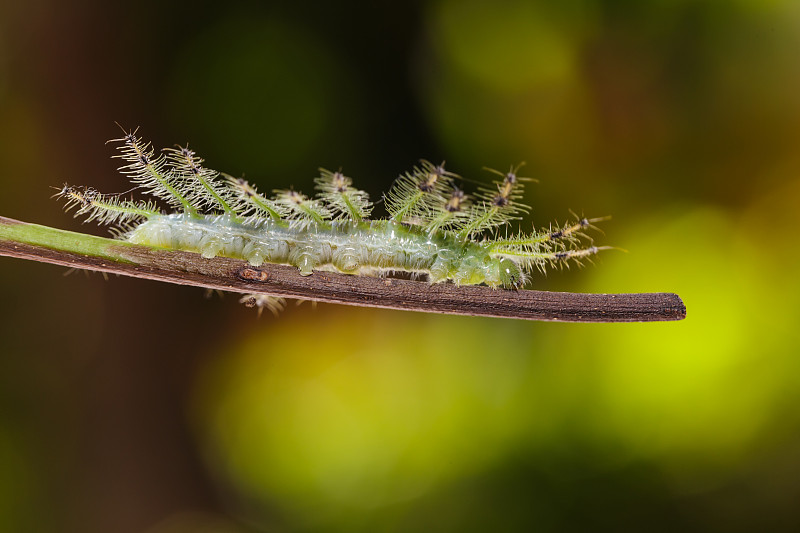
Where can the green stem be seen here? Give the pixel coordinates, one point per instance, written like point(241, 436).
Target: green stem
point(62, 240)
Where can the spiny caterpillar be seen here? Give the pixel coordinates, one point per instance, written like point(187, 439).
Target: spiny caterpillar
point(434, 230)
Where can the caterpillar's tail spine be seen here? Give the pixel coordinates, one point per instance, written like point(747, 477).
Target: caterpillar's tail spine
point(105, 208)
point(553, 246)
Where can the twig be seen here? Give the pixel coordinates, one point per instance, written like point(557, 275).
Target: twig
point(77, 250)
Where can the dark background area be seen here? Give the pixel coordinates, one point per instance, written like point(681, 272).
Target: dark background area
point(132, 406)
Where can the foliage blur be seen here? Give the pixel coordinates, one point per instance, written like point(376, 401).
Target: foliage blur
point(130, 406)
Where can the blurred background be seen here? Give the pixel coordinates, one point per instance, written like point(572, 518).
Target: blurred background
point(133, 406)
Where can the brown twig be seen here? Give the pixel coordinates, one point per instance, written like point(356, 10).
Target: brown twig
point(186, 268)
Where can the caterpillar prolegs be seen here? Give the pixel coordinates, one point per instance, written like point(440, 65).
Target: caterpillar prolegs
point(433, 230)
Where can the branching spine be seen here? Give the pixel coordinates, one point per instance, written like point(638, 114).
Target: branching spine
point(414, 196)
point(498, 207)
point(105, 208)
point(345, 201)
point(150, 172)
point(205, 188)
point(252, 204)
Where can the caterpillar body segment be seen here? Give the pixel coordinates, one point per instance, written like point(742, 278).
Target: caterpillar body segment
point(364, 248)
point(434, 230)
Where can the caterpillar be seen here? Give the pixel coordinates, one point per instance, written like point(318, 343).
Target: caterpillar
point(433, 230)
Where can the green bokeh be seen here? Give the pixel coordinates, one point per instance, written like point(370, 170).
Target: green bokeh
point(264, 96)
point(380, 414)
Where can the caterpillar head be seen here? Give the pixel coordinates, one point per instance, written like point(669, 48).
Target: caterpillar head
point(511, 275)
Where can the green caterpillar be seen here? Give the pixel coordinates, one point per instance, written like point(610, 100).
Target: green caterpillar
point(434, 230)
